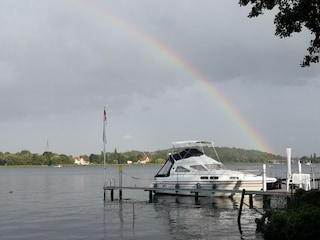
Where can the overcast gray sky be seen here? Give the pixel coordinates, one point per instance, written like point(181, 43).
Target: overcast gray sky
point(62, 61)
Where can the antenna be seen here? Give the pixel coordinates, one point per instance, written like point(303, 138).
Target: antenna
point(47, 146)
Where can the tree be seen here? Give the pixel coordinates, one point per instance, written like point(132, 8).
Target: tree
point(65, 159)
point(26, 156)
point(94, 158)
point(293, 15)
point(3, 162)
point(116, 155)
point(38, 159)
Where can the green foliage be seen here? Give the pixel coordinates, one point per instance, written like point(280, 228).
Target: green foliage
point(48, 156)
point(236, 155)
point(159, 161)
point(38, 159)
point(27, 158)
point(292, 17)
point(94, 158)
point(299, 221)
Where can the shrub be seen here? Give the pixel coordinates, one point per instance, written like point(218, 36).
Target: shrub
point(300, 220)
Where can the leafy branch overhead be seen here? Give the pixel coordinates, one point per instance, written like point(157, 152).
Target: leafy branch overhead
point(293, 15)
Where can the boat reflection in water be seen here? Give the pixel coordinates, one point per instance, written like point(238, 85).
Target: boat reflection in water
point(207, 218)
point(208, 202)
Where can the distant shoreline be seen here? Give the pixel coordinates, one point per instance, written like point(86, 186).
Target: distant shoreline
point(107, 165)
point(75, 165)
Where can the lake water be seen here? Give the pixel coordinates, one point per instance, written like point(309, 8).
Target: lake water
point(67, 203)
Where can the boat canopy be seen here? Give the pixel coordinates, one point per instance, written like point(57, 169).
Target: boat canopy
point(193, 143)
point(186, 153)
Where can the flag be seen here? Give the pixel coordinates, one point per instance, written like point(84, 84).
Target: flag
point(104, 125)
point(104, 115)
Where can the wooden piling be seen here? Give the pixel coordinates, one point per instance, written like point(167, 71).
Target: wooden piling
point(266, 201)
point(150, 197)
point(250, 201)
point(240, 209)
point(111, 194)
point(241, 205)
point(120, 182)
point(196, 197)
point(120, 194)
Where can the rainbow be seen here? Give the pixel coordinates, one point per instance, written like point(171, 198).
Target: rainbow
point(181, 64)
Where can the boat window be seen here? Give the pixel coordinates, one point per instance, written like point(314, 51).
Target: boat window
point(198, 167)
point(214, 177)
point(234, 178)
point(181, 169)
point(204, 177)
point(214, 166)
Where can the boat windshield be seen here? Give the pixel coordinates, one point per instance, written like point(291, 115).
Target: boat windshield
point(214, 166)
point(186, 153)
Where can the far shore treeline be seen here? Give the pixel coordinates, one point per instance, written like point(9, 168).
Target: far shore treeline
point(227, 155)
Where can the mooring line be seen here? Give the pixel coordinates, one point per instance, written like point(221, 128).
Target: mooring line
point(137, 178)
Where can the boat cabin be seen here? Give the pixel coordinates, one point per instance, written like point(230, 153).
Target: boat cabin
point(190, 167)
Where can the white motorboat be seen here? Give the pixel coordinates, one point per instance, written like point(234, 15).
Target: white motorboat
point(191, 166)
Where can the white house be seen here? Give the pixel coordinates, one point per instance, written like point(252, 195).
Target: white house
point(81, 161)
point(144, 160)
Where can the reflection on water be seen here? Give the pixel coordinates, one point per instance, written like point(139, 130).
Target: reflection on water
point(204, 219)
point(180, 217)
point(204, 202)
point(67, 203)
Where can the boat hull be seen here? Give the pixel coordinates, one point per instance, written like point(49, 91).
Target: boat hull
point(206, 189)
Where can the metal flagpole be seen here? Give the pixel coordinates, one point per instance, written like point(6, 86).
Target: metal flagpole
point(104, 142)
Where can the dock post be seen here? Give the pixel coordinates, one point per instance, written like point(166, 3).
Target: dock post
point(120, 194)
point(111, 194)
point(250, 201)
point(196, 193)
point(104, 194)
point(150, 196)
point(288, 201)
point(289, 174)
point(264, 178)
point(177, 186)
point(120, 182)
point(196, 197)
point(266, 201)
point(240, 209)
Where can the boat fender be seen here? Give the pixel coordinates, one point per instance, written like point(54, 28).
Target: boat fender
point(214, 186)
point(177, 186)
point(198, 186)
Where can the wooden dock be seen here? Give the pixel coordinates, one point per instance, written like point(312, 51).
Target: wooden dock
point(196, 192)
